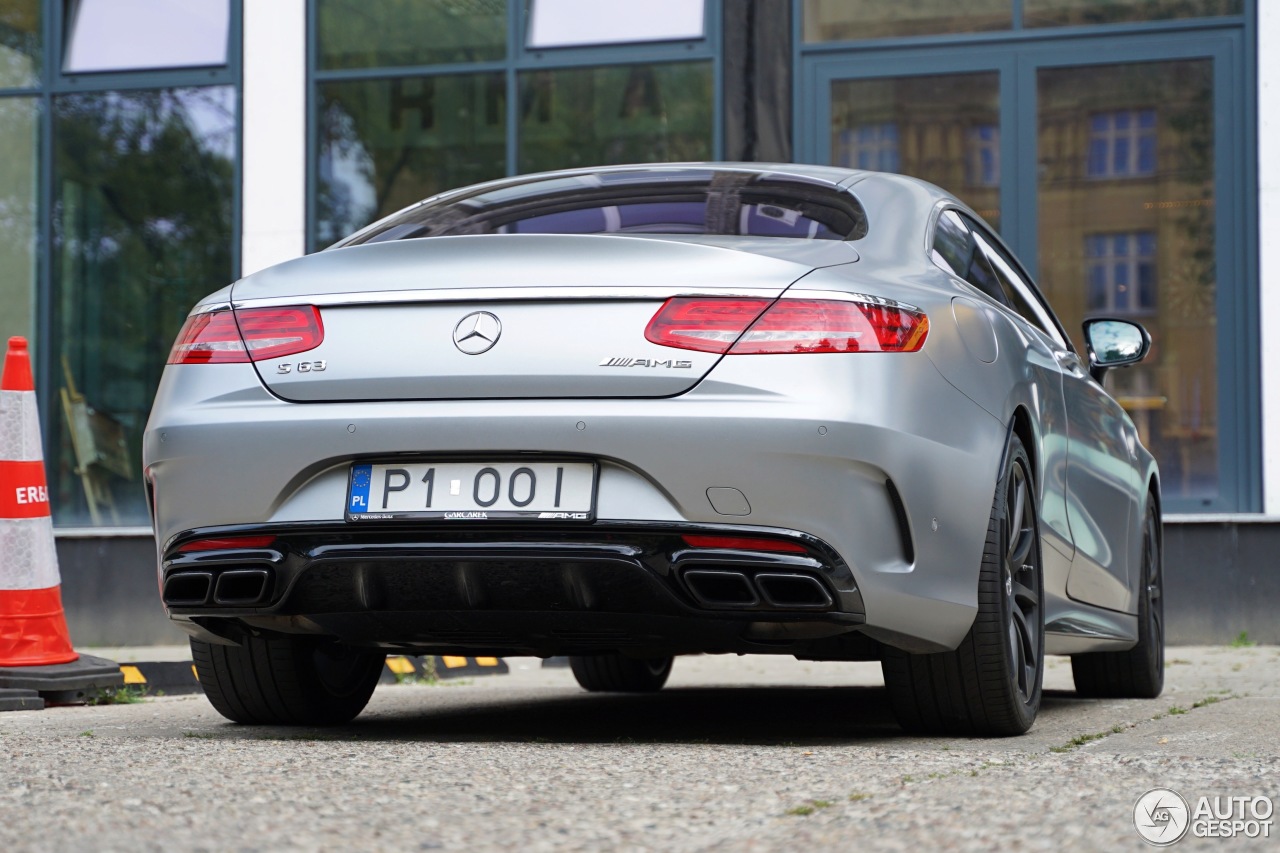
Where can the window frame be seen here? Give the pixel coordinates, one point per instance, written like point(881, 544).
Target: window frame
point(1133, 135)
point(1133, 261)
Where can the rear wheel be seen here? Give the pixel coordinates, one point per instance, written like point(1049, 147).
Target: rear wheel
point(991, 683)
point(287, 681)
point(620, 674)
point(1139, 672)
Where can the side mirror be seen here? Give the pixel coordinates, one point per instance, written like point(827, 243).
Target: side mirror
point(1114, 343)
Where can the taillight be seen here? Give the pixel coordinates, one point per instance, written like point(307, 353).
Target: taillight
point(247, 334)
point(823, 325)
point(738, 326)
point(705, 325)
point(742, 543)
point(221, 543)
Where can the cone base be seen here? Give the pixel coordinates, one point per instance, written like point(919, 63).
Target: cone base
point(33, 630)
point(64, 683)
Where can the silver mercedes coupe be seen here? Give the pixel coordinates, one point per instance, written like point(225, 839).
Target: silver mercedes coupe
point(629, 413)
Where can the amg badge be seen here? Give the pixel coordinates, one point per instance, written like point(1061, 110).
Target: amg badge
point(669, 363)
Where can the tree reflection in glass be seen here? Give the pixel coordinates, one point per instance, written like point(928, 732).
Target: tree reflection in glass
point(142, 227)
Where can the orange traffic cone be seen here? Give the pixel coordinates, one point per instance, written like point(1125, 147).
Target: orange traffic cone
point(34, 642)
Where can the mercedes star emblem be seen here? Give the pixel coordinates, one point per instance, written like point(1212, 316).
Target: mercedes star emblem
point(477, 332)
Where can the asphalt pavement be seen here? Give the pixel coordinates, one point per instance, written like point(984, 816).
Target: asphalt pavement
point(750, 753)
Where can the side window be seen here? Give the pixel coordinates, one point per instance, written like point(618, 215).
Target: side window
point(952, 247)
point(1020, 296)
point(954, 250)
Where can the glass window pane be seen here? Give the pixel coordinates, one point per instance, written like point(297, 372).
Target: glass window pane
point(1142, 244)
point(126, 35)
point(19, 43)
point(951, 246)
point(385, 33)
point(944, 129)
point(1055, 13)
point(142, 228)
point(19, 140)
point(847, 20)
point(574, 23)
point(385, 144)
point(676, 200)
point(620, 114)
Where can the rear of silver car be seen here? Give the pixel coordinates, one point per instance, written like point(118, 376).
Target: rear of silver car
point(495, 457)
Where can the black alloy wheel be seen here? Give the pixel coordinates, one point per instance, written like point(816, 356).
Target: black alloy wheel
point(991, 684)
point(1139, 672)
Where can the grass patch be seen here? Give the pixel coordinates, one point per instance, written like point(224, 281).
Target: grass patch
point(1176, 710)
point(87, 733)
point(200, 735)
point(858, 796)
point(1242, 641)
point(810, 807)
point(127, 695)
point(1080, 740)
point(1208, 700)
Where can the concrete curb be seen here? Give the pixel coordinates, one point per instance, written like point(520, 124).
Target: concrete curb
point(174, 678)
point(178, 678)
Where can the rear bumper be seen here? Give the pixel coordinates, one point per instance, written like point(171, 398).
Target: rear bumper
point(509, 591)
point(221, 453)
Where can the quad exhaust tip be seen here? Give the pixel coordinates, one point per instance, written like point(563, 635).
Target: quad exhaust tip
point(726, 589)
point(228, 588)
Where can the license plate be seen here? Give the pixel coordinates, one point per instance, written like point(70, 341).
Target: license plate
point(472, 491)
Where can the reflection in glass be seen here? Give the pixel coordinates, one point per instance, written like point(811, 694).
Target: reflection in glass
point(848, 20)
point(19, 140)
point(125, 35)
point(620, 114)
point(385, 144)
point(142, 228)
point(386, 33)
point(1140, 243)
point(677, 200)
point(1114, 341)
point(573, 23)
point(944, 129)
point(19, 43)
point(1054, 13)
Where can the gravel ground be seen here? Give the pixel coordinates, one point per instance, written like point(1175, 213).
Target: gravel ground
point(736, 754)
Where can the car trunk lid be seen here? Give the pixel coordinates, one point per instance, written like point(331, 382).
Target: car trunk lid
point(506, 316)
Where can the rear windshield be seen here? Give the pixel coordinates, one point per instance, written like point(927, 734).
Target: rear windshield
point(688, 201)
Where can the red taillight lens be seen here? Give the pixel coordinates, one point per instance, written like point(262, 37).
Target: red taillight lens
point(225, 542)
point(248, 334)
point(743, 543)
point(705, 325)
point(745, 327)
point(821, 325)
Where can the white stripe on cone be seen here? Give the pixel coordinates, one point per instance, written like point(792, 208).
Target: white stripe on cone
point(27, 556)
point(19, 427)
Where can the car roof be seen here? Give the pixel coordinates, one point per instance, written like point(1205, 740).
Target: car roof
point(910, 199)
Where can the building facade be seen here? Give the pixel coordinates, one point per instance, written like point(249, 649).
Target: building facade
point(157, 150)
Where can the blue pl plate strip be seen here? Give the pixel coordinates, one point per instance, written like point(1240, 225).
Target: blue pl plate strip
point(361, 476)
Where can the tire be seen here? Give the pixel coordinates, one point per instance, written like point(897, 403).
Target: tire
point(287, 681)
point(620, 674)
point(1139, 672)
point(991, 683)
